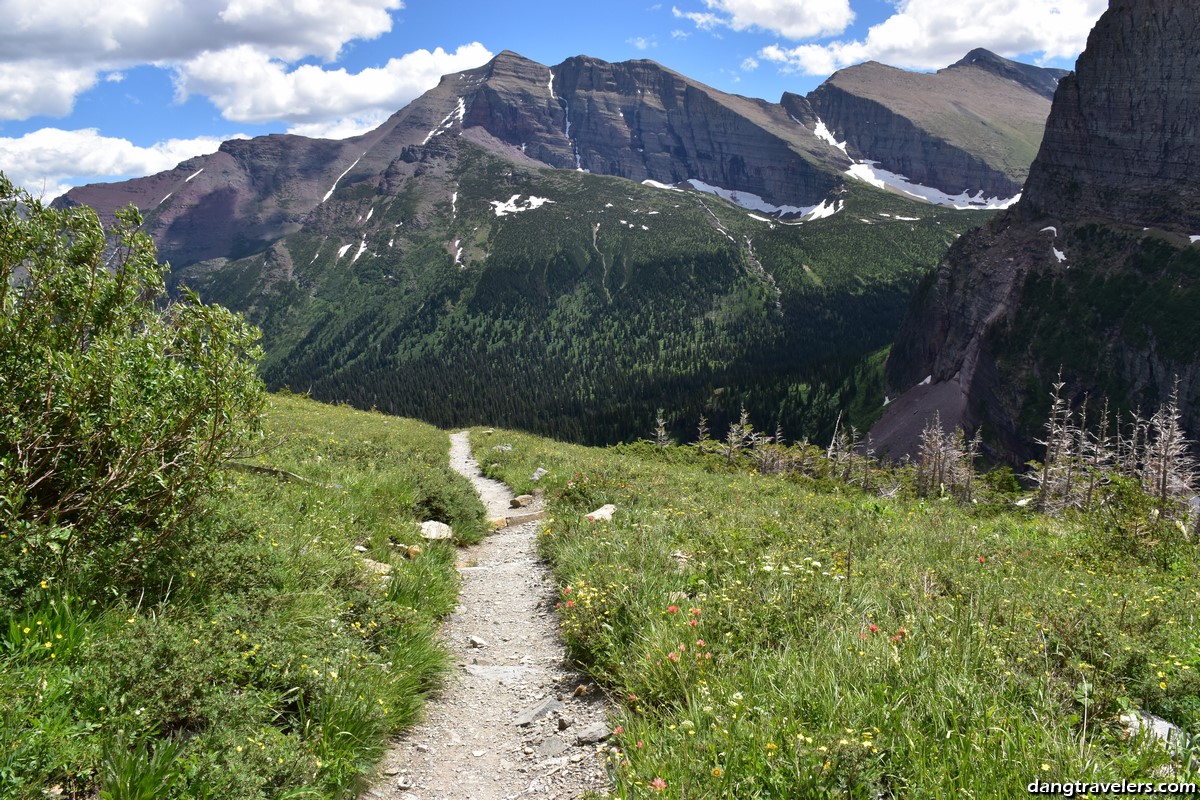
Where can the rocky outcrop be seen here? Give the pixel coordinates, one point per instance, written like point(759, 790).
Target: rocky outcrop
point(1092, 272)
point(641, 121)
point(1043, 80)
point(973, 126)
point(1122, 142)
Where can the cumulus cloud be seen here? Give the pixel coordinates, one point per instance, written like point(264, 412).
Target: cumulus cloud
point(53, 50)
point(792, 19)
point(84, 32)
point(927, 34)
point(642, 42)
point(47, 161)
point(247, 85)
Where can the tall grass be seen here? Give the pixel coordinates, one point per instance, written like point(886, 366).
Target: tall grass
point(269, 660)
point(784, 636)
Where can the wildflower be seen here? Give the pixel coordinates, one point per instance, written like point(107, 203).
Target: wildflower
point(618, 731)
point(658, 784)
point(874, 628)
point(716, 773)
point(672, 609)
point(695, 612)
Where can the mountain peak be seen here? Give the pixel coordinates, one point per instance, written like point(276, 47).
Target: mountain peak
point(1042, 80)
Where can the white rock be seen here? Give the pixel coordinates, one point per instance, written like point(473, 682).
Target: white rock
point(604, 512)
point(431, 529)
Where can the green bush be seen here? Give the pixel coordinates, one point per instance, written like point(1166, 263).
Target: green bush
point(117, 407)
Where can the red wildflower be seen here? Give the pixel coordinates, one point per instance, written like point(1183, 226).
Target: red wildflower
point(658, 784)
point(672, 609)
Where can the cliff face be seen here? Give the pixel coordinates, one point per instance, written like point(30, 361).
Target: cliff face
point(973, 126)
point(1093, 271)
point(1121, 143)
point(635, 120)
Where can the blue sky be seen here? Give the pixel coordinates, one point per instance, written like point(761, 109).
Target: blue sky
point(96, 90)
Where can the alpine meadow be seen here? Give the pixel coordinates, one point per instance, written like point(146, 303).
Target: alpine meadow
point(582, 430)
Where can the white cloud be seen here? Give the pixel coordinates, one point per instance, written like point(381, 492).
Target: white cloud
point(927, 34)
point(749, 64)
point(341, 128)
point(642, 43)
point(52, 50)
point(40, 87)
point(83, 32)
point(792, 19)
point(249, 86)
point(47, 161)
point(703, 21)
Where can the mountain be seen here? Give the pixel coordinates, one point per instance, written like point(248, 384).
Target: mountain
point(1094, 272)
point(614, 237)
point(973, 126)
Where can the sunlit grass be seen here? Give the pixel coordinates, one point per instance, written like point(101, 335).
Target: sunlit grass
point(781, 636)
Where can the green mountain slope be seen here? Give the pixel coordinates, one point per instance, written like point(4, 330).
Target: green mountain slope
point(582, 315)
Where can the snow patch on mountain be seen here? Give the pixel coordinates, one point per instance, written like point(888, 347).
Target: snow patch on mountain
point(339, 177)
point(746, 200)
point(823, 133)
point(514, 205)
point(870, 172)
point(457, 115)
point(194, 174)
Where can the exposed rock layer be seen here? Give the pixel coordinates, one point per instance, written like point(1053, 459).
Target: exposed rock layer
point(1092, 271)
point(974, 126)
point(636, 119)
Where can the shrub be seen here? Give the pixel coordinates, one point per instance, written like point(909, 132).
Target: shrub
point(117, 407)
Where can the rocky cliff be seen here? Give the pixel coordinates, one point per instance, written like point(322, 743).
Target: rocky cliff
point(1095, 272)
point(973, 126)
point(636, 120)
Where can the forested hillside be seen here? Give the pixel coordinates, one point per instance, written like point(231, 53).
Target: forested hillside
point(596, 303)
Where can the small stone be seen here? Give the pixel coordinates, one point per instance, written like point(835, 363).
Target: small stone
point(413, 551)
point(565, 722)
point(433, 530)
point(536, 711)
point(476, 641)
point(478, 753)
point(390, 771)
point(604, 512)
point(575, 759)
point(422, 748)
point(538, 474)
point(527, 751)
point(597, 732)
point(551, 747)
point(378, 566)
point(404, 782)
point(520, 501)
point(361, 549)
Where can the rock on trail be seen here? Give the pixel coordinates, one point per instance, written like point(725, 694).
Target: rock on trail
point(495, 731)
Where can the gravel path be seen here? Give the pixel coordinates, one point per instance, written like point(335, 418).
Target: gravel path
point(477, 741)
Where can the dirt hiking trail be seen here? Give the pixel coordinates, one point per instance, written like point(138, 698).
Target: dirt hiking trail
point(511, 721)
